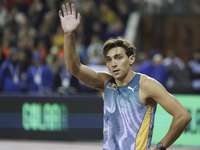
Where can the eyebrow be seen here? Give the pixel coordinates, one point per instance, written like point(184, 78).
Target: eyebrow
point(114, 56)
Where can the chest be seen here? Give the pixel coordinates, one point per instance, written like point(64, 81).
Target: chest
point(122, 97)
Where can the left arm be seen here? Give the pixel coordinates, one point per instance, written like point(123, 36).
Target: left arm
point(154, 90)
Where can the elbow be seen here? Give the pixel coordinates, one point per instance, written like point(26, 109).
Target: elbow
point(186, 118)
point(70, 70)
point(73, 70)
point(73, 65)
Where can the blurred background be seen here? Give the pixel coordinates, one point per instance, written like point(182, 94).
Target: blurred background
point(41, 102)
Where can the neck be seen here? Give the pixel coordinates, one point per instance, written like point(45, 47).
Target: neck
point(125, 80)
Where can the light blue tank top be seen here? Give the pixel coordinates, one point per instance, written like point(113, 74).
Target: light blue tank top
point(128, 124)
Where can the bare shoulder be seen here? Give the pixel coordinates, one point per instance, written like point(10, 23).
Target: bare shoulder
point(151, 91)
point(105, 76)
point(146, 81)
point(150, 85)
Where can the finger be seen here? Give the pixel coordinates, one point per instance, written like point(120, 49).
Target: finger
point(64, 10)
point(60, 14)
point(73, 10)
point(68, 9)
point(79, 17)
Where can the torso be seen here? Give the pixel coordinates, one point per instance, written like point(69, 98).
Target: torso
point(124, 116)
point(145, 99)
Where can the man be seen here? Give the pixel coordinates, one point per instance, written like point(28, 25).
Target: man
point(39, 76)
point(10, 73)
point(194, 66)
point(130, 98)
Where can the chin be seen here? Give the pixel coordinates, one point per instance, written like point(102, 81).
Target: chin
point(118, 77)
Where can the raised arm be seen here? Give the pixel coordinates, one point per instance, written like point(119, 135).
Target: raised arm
point(70, 23)
point(152, 90)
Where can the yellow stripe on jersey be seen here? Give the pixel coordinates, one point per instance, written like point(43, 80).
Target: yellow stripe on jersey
point(142, 137)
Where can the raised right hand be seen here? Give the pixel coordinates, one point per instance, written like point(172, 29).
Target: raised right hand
point(68, 20)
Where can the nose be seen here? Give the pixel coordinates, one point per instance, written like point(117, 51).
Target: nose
point(114, 64)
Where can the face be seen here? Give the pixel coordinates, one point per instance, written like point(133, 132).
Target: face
point(118, 63)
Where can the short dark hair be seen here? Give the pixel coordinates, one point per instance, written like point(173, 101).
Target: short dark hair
point(118, 42)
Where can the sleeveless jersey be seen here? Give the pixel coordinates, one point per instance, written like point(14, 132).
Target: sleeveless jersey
point(128, 124)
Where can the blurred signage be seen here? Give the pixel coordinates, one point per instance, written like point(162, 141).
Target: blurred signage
point(44, 117)
point(51, 117)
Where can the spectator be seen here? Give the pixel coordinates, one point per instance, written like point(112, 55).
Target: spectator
point(10, 75)
point(39, 76)
point(140, 58)
point(25, 62)
point(53, 59)
point(81, 49)
point(6, 48)
point(50, 18)
point(115, 29)
point(35, 13)
point(81, 34)
point(13, 26)
point(98, 28)
point(3, 17)
point(107, 15)
point(22, 5)
point(7, 40)
point(26, 35)
point(123, 11)
point(41, 47)
point(64, 82)
point(58, 38)
point(154, 67)
point(178, 76)
point(89, 14)
point(194, 65)
point(94, 51)
point(43, 37)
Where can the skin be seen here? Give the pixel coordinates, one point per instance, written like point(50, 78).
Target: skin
point(119, 65)
point(151, 92)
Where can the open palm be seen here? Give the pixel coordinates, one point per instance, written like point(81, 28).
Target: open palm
point(69, 21)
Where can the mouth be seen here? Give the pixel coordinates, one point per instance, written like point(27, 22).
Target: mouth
point(116, 71)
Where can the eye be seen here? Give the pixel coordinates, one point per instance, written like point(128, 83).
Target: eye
point(119, 57)
point(108, 60)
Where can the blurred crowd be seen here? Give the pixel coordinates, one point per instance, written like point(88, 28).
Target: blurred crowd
point(31, 47)
point(31, 42)
point(171, 71)
point(183, 7)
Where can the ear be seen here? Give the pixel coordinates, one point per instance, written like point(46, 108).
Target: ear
point(131, 59)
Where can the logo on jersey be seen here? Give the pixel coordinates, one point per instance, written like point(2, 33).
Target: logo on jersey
point(132, 89)
point(112, 86)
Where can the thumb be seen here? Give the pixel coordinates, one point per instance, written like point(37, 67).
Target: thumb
point(60, 14)
point(79, 17)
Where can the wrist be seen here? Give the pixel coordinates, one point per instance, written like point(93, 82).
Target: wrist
point(160, 146)
point(69, 33)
